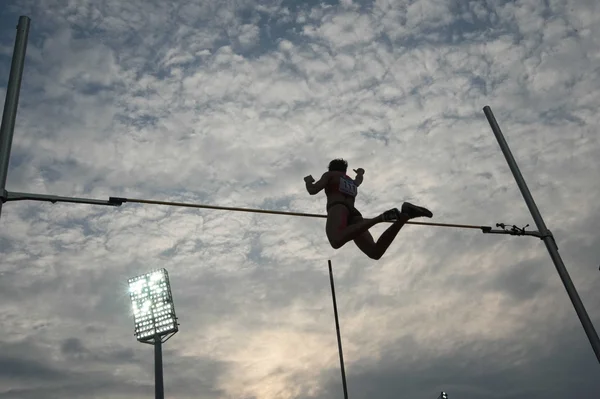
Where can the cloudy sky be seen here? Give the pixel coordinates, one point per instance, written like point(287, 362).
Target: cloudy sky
point(232, 103)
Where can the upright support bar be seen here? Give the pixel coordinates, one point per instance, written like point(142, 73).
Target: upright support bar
point(12, 101)
point(546, 235)
point(337, 328)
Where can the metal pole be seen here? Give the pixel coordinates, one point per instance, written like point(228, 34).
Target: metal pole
point(546, 235)
point(337, 328)
point(159, 390)
point(12, 101)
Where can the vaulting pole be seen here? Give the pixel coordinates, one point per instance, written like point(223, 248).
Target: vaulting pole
point(337, 328)
point(11, 102)
point(546, 235)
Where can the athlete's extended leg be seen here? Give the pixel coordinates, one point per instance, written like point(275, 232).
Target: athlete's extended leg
point(375, 250)
point(338, 231)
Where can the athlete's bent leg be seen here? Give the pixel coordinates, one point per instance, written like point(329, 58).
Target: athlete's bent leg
point(339, 236)
point(338, 231)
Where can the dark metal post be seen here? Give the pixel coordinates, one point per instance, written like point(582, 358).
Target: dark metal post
point(12, 101)
point(337, 327)
point(159, 390)
point(546, 235)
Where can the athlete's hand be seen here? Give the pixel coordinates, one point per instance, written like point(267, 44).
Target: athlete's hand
point(359, 171)
point(309, 179)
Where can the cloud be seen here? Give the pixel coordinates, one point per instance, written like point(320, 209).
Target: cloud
point(233, 104)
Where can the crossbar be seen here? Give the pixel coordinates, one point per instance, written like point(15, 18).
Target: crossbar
point(118, 201)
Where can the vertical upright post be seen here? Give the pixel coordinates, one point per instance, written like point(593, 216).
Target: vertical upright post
point(547, 236)
point(12, 101)
point(337, 328)
point(159, 390)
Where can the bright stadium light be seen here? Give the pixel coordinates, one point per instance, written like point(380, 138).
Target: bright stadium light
point(154, 316)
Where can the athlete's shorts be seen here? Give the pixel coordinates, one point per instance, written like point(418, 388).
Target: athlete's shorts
point(354, 216)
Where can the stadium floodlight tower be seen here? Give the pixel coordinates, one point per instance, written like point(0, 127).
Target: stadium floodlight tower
point(154, 316)
point(443, 395)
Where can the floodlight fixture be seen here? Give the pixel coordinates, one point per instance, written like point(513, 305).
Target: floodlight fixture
point(152, 306)
point(154, 316)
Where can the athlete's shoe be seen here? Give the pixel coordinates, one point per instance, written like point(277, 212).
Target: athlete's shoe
point(392, 215)
point(414, 211)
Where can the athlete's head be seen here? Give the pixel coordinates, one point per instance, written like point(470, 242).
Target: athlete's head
point(338, 165)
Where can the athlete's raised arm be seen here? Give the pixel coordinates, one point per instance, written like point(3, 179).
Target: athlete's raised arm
point(314, 188)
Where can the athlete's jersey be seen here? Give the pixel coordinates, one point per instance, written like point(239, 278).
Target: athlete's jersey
point(345, 186)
